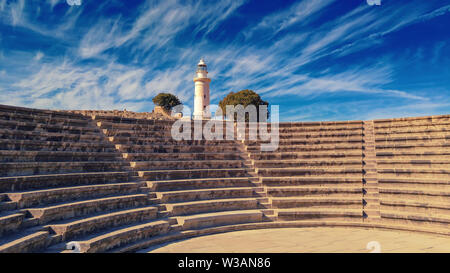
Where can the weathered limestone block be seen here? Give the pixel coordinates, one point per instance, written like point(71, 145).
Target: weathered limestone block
point(220, 218)
point(101, 222)
point(19, 183)
point(183, 174)
point(205, 194)
point(49, 196)
point(82, 208)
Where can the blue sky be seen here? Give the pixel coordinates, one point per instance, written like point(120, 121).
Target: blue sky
point(316, 59)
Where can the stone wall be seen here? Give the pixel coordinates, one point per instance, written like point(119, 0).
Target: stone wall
point(158, 115)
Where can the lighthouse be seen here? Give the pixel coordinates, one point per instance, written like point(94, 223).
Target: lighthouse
point(201, 97)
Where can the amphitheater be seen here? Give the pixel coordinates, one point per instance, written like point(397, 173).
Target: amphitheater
point(104, 182)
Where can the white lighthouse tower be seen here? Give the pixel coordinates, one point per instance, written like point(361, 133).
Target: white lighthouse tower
point(201, 97)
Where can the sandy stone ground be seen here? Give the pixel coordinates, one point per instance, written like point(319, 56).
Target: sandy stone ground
point(310, 240)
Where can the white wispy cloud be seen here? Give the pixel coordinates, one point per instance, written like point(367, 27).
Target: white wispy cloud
point(39, 55)
point(53, 3)
point(17, 9)
point(156, 25)
point(2, 4)
point(67, 86)
point(301, 12)
point(406, 110)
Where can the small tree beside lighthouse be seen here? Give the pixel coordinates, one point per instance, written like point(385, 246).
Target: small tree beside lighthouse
point(165, 102)
point(245, 98)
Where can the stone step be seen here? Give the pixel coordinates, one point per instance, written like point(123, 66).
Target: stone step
point(354, 171)
point(25, 243)
point(417, 218)
point(205, 220)
point(3, 197)
point(311, 180)
point(199, 183)
point(307, 163)
point(126, 123)
point(86, 207)
point(37, 145)
point(36, 168)
point(206, 194)
point(54, 195)
point(416, 147)
point(131, 128)
point(10, 222)
point(415, 193)
point(124, 235)
point(409, 120)
point(182, 156)
point(425, 155)
point(308, 191)
point(334, 202)
point(144, 140)
point(175, 148)
point(213, 205)
point(315, 127)
point(293, 141)
point(118, 135)
point(22, 183)
point(46, 119)
point(305, 155)
point(424, 134)
point(194, 173)
point(411, 124)
point(411, 206)
point(38, 121)
point(56, 156)
point(183, 165)
point(49, 136)
point(311, 147)
point(39, 112)
point(414, 163)
point(413, 139)
point(414, 173)
point(172, 141)
point(51, 128)
point(84, 226)
point(307, 123)
point(425, 129)
point(301, 135)
point(161, 134)
point(419, 182)
point(318, 213)
point(290, 134)
point(7, 206)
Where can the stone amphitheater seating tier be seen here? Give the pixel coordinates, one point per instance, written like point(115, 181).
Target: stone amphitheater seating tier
point(115, 184)
point(414, 174)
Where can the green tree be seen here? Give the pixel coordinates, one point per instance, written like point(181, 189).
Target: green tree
point(244, 97)
point(166, 100)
